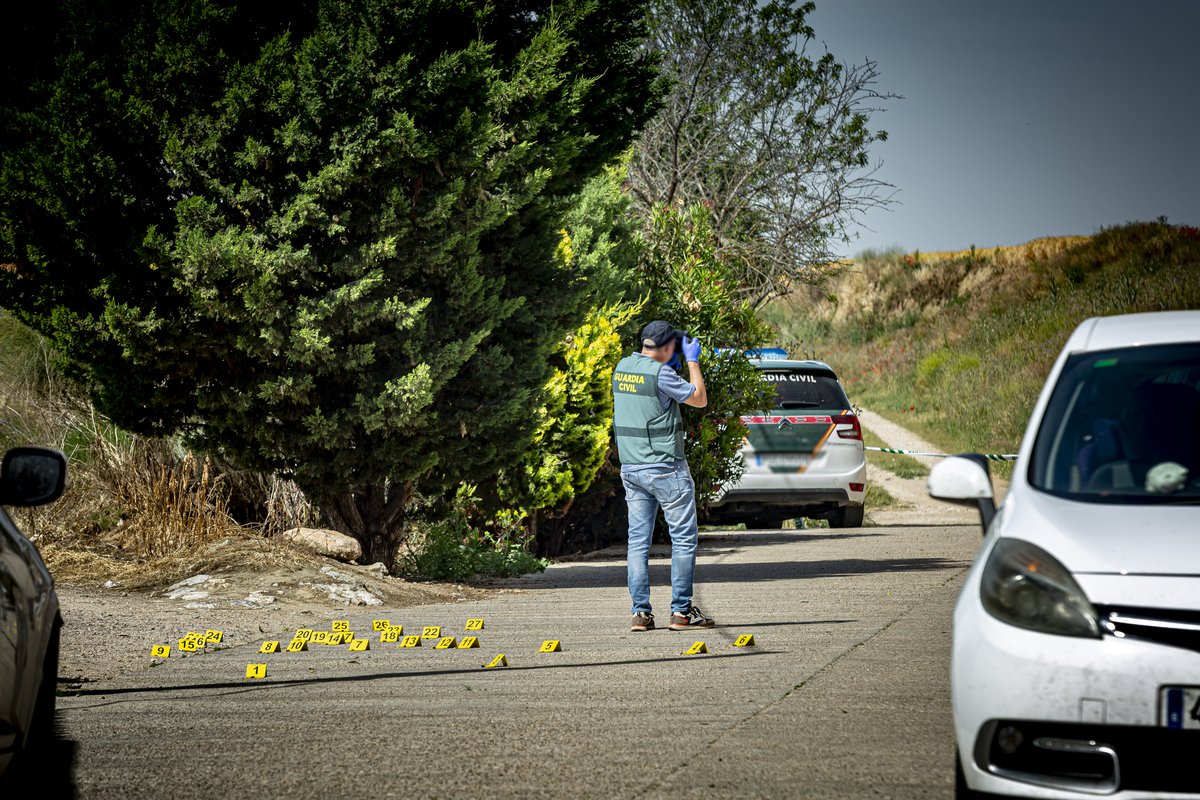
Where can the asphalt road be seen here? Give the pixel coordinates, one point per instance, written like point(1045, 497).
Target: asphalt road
point(845, 694)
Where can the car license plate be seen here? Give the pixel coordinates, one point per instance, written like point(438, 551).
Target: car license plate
point(1180, 707)
point(796, 460)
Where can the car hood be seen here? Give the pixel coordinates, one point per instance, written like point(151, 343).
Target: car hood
point(1106, 539)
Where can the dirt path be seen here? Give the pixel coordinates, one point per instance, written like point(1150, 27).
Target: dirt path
point(921, 508)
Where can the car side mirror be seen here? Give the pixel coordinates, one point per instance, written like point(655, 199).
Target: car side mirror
point(32, 476)
point(965, 481)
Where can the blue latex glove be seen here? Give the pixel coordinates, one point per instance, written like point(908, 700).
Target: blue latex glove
point(691, 349)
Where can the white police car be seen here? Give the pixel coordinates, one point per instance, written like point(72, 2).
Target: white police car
point(1076, 660)
point(804, 457)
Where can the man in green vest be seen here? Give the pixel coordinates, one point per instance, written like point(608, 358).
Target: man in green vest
point(649, 431)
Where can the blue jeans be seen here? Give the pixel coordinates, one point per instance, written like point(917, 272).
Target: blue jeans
point(645, 491)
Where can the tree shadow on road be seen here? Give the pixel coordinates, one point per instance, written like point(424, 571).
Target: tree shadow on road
point(253, 685)
point(593, 575)
point(746, 538)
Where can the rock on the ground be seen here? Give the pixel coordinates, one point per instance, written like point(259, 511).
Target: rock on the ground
point(348, 594)
point(195, 580)
point(325, 542)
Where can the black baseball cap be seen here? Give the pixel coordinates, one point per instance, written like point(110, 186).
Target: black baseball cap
point(661, 332)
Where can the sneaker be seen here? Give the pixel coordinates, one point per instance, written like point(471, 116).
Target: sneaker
point(692, 619)
point(642, 622)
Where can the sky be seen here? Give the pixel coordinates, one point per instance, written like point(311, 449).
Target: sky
point(1024, 119)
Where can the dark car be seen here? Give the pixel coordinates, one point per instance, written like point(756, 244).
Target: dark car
point(29, 614)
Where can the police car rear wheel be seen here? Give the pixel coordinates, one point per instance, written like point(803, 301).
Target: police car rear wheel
point(847, 517)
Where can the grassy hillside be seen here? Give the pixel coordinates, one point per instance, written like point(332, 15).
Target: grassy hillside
point(956, 346)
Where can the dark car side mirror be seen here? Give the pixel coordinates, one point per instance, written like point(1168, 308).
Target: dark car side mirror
point(32, 476)
point(964, 480)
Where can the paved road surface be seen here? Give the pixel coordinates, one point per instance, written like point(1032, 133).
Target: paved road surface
point(846, 694)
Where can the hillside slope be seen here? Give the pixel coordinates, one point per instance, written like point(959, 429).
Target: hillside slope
point(956, 346)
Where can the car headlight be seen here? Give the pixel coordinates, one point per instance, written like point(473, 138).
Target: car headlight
point(1025, 586)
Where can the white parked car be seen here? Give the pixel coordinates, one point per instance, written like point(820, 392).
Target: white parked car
point(1076, 661)
point(804, 457)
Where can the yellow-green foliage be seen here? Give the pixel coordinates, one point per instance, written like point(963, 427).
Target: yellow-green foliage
point(575, 419)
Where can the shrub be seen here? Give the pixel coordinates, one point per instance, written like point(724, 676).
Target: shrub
point(688, 284)
point(452, 548)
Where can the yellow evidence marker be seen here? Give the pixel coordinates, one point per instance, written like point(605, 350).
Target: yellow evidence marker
point(499, 661)
point(550, 646)
point(746, 640)
point(213, 636)
point(336, 638)
point(160, 651)
point(359, 645)
point(474, 625)
point(319, 637)
point(256, 670)
point(194, 635)
point(380, 624)
point(431, 633)
point(298, 646)
point(445, 643)
point(269, 647)
point(341, 627)
point(410, 641)
point(698, 647)
point(468, 642)
point(188, 645)
point(304, 633)
point(390, 635)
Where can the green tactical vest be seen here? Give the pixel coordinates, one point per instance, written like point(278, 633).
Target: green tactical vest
point(646, 434)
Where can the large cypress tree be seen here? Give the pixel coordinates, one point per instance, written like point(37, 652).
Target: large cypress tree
point(319, 241)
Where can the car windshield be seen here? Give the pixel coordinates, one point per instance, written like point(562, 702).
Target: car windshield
point(798, 389)
point(1123, 426)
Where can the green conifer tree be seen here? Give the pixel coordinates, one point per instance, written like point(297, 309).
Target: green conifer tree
point(324, 247)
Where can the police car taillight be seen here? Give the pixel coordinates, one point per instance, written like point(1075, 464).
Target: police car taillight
point(848, 419)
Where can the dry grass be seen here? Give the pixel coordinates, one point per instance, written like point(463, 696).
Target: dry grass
point(1037, 250)
point(94, 564)
point(881, 288)
point(139, 511)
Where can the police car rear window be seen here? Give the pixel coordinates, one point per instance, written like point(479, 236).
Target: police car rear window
point(795, 389)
